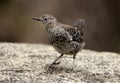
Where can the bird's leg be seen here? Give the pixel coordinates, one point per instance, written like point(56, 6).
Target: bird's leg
point(55, 62)
point(73, 64)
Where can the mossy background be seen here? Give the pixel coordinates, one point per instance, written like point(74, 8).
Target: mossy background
point(102, 19)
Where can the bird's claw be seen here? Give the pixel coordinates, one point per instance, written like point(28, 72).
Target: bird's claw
point(54, 63)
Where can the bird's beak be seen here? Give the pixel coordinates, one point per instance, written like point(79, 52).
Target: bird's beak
point(37, 19)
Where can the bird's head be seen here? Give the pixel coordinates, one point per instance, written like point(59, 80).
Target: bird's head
point(47, 20)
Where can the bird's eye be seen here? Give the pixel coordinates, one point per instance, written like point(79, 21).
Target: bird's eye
point(45, 19)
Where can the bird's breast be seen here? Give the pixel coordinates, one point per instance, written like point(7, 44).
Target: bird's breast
point(59, 36)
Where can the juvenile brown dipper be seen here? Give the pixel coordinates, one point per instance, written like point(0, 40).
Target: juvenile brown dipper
point(64, 38)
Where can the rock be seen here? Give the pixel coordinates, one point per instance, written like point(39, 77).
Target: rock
point(29, 63)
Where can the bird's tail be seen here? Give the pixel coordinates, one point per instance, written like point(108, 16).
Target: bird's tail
point(80, 23)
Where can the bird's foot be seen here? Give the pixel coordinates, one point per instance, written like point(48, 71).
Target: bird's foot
point(54, 63)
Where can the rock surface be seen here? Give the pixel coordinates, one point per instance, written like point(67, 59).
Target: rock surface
point(28, 63)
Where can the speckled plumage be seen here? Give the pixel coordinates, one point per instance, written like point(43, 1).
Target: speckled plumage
point(65, 39)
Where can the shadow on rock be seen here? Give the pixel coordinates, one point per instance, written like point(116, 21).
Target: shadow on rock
point(57, 69)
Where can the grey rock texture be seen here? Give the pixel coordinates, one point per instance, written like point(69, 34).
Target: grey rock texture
point(28, 63)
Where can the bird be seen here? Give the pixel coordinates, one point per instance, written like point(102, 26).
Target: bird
point(65, 39)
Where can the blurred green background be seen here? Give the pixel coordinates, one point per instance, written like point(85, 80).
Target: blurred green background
point(102, 17)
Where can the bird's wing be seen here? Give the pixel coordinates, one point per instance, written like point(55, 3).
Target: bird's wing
point(77, 34)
